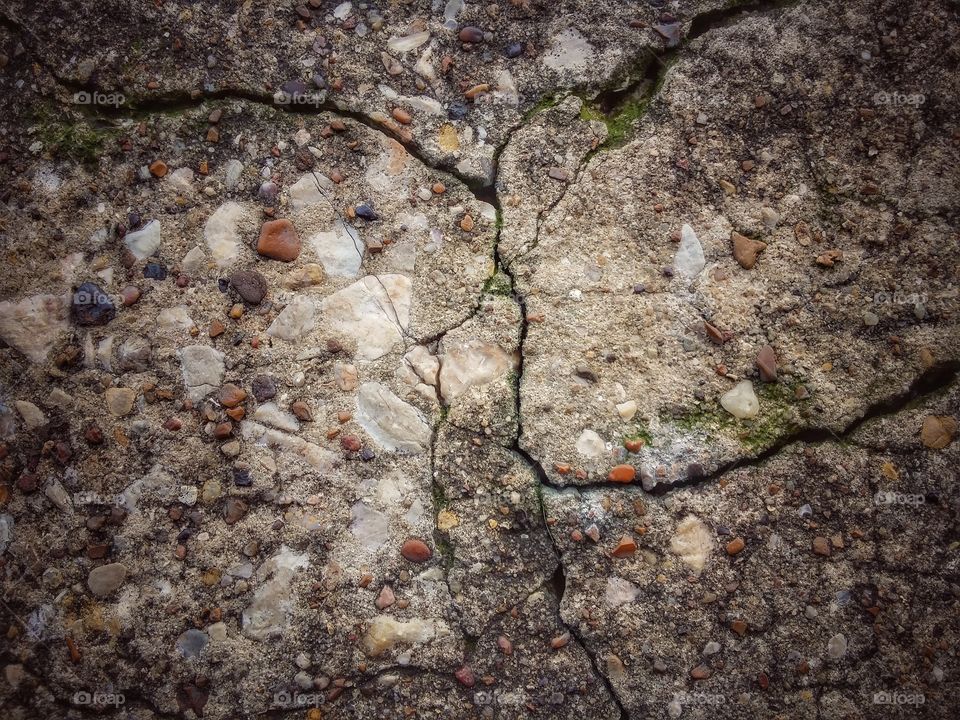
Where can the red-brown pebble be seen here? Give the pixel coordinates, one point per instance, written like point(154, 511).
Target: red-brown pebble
point(625, 548)
point(416, 550)
point(622, 474)
point(279, 240)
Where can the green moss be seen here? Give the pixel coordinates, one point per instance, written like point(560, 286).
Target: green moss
point(70, 136)
point(499, 284)
point(545, 103)
point(638, 432)
point(440, 500)
point(776, 421)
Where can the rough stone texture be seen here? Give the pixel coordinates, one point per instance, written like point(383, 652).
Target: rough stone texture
point(464, 453)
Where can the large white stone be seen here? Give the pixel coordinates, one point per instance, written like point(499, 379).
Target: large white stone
point(384, 632)
point(370, 527)
point(202, 370)
point(590, 445)
point(295, 320)
point(266, 616)
point(391, 422)
point(33, 324)
point(222, 233)
point(470, 364)
point(144, 242)
point(309, 190)
point(689, 260)
point(339, 250)
point(374, 312)
point(741, 401)
point(692, 542)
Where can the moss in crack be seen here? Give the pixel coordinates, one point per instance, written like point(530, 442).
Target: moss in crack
point(545, 103)
point(499, 284)
point(638, 432)
point(778, 418)
point(440, 500)
point(68, 136)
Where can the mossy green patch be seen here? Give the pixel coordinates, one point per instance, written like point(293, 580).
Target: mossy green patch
point(499, 284)
point(70, 136)
point(777, 419)
point(545, 103)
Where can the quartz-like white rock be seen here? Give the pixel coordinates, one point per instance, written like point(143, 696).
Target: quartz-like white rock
point(33, 324)
point(295, 320)
point(590, 445)
point(407, 42)
point(194, 261)
point(33, 416)
point(384, 632)
point(689, 260)
point(374, 312)
point(270, 414)
point(619, 592)
point(370, 527)
point(741, 401)
point(391, 422)
point(837, 646)
point(339, 250)
point(144, 242)
point(266, 616)
point(202, 370)
point(470, 364)
point(222, 233)
point(309, 190)
point(692, 542)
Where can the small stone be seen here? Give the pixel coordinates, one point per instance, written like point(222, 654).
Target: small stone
point(386, 598)
point(466, 223)
point(120, 401)
point(366, 212)
point(217, 328)
point(231, 395)
point(307, 276)
point(560, 641)
point(155, 271)
point(33, 416)
point(506, 647)
point(301, 410)
point(470, 35)
point(701, 672)
point(735, 546)
point(465, 677)
point(741, 401)
point(746, 250)
point(627, 410)
point(767, 364)
point(263, 387)
point(279, 240)
point(689, 260)
point(821, 546)
point(622, 474)
point(249, 285)
point(129, 295)
point(870, 319)
point(234, 510)
point(350, 443)
point(105, 579)
point(837, 646)
point(829, 258)
point(938, 431)
point(401, 116)
point(158, 168)
point(416, 550)
point(739, 627)
point(769, 217)
point(92, 306)
point(633, 445)
point(625, 548)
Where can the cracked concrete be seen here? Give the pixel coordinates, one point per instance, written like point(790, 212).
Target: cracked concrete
point(485, 471)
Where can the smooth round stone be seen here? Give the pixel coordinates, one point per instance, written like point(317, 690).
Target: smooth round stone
point(471, 34)
point(416, 550)
point(105, 579)
point(250, 285)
